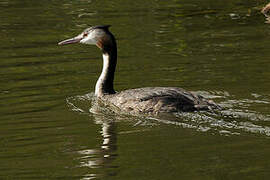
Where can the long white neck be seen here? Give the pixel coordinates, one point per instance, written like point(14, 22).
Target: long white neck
point(104, 84)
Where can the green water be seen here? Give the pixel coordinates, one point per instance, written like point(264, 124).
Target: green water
point(217, 48)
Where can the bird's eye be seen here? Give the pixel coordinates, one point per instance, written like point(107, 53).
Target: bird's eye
point(85, 34)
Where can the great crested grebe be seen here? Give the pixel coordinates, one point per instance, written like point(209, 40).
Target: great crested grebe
point(151, 100)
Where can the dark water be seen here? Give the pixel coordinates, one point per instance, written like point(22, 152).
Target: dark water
point(218, 48)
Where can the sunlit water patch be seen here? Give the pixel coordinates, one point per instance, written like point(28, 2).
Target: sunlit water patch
point(236, 117)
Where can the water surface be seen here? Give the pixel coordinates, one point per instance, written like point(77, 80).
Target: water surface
point(218, 49)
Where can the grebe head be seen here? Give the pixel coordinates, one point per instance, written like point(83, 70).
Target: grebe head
point(95, 35)
point(102, 38)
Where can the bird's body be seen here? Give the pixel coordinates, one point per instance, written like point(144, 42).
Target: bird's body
point(154, 100)
point(150, 100)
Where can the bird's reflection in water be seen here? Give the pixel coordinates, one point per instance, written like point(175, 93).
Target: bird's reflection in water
point(103, 156)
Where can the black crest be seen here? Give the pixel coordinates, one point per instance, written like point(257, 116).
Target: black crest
point(105, 27)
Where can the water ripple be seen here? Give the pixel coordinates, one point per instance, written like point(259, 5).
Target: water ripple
point(236, 118)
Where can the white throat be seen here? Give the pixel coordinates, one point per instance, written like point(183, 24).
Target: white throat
point(104, 74)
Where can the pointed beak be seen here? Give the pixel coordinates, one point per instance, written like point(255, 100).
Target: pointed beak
point(76, 39)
